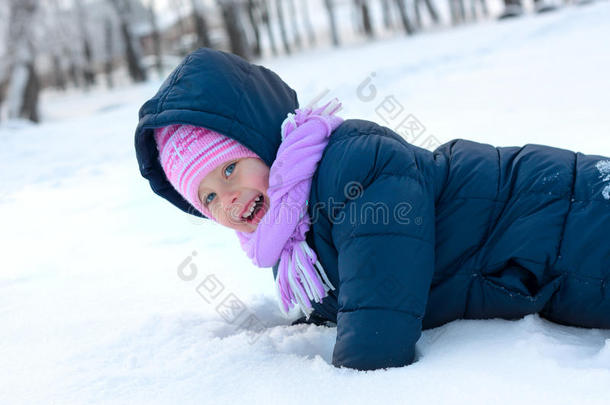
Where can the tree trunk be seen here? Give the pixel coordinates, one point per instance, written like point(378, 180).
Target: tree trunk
point(330, 8)
point(23, 85)
point(295, 28)
point(3, 86)
point(72, 70)
point(462, 9)
point(404, 17)
point(307, 22)
point(88, 72)
point(132, 51)
point(266, 21)
point(29, 109)
point(58, 73)
point(455, 12)
point(177, 7)
point(59, 37)
point(484, 8)
point(280, 18)
point(418, 20)
point(201, 25)
point(136, 72)
point(233, 24)
point(253, 16)
point(156, 38)
point(365, 17)
point(432, 10)
point(109, 52)
point(387, 14)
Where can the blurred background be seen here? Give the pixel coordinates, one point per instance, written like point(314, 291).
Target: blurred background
point(80, 44)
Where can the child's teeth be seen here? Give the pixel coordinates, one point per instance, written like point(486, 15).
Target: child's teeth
point(252, 207)
point(251, 210)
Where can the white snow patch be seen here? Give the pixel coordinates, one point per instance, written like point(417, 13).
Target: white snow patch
point(92, 308)
point(604, 173)
point(550, 178)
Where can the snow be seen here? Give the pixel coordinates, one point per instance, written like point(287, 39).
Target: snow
point(94, 309)
point(604, 173)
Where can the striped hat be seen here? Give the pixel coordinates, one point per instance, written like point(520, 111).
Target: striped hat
point(188, 153)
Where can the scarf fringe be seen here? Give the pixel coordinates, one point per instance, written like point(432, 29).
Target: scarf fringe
point(306, 282)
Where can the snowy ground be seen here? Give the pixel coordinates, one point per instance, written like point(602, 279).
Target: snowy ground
point(93, 311)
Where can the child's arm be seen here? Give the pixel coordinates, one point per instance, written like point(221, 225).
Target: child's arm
point(385, 262)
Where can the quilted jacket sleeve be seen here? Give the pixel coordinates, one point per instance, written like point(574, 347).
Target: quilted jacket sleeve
point(384, 236)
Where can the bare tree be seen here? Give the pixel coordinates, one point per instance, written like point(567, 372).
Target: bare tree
point(81, 18)
point(457, 10)
point(177, 6)
point(233, 23)
point(431, 10)
point(473, 10)
point(255, 22)
point(23, 85)
point(109, 45)
point(59, 77)
point(462, 10)
point(67, 40)
point(264, 9)
point(281, 21)
point(72, 68)
point(155, 37)
point(3, 85)
point(295, 28)
point(4, 65)
point(454, 12)
point(307, 22)
point(330, 8)
point(201, 25)
point(404, 16)
point(512, 8)
point(132, 51)
point(364, 17)
point(55, 35)
point(387, 14)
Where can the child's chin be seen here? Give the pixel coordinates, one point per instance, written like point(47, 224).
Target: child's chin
point(247, 227)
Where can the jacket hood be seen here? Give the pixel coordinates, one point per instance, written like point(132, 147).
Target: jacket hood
point(219, 91)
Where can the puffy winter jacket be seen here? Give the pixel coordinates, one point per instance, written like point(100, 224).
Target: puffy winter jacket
point(413, 239)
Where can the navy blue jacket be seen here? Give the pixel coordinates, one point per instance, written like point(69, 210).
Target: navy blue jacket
point(412, 239)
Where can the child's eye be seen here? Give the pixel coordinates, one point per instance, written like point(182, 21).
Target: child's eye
point(229, 169)
point(208, 199)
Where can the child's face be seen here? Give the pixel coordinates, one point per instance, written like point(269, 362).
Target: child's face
point(230, 189)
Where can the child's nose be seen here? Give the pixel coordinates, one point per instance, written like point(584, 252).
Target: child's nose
point(231, 197)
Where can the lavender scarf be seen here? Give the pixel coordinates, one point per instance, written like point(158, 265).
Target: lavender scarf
point(281, 233)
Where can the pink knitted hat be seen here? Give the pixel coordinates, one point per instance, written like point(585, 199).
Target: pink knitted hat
point(188, 153)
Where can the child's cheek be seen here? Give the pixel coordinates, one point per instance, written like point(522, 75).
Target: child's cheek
point(207, 213)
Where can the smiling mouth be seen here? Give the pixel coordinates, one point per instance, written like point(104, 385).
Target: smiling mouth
point(258, 207)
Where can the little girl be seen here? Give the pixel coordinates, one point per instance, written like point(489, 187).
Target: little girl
point(367, 231)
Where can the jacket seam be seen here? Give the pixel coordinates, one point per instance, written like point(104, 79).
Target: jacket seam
point(171, 85)
point(493, 217)
point(523, 193)
point(576, 276)
point(247, 83)
point(565, 219)
point(369, 308)
point(389, 233)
